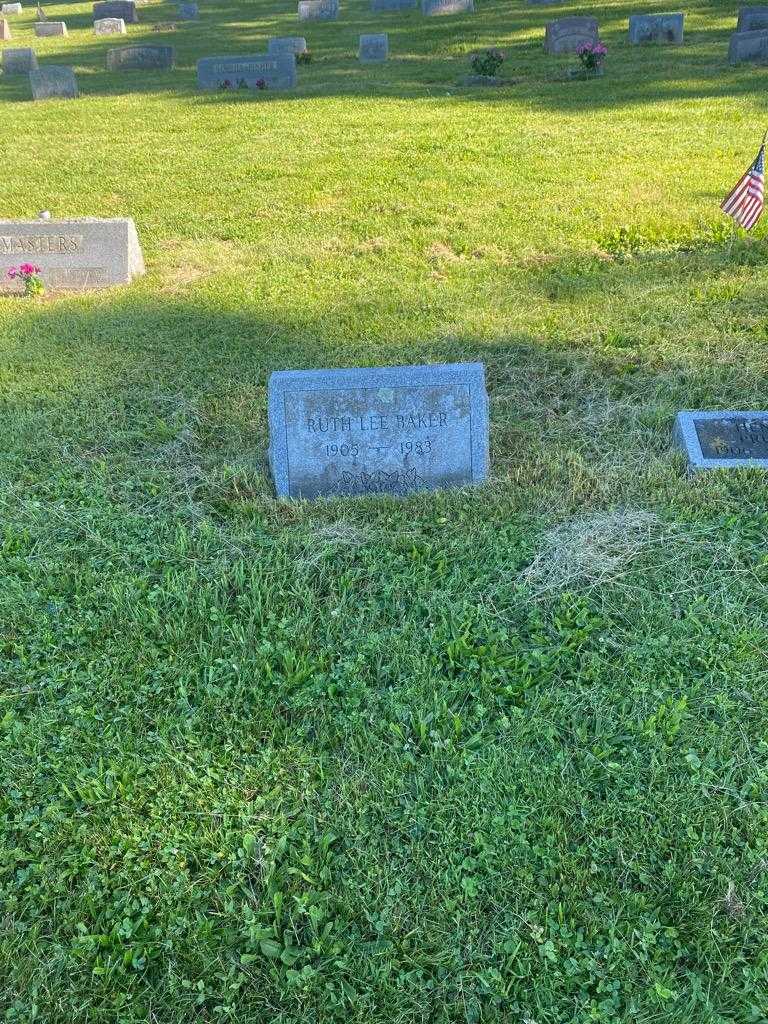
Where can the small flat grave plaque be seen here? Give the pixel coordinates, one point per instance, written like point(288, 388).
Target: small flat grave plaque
point(188, 12)
point(374, 48)
point(656, 28)
point(53, 81)
point(276, 70)
point(5, 30)
point(73, 254)
point(11, 9)
point(141, 58)
point(389, 430)
point(748, 47)
point(109, 27)
point(19, 61)
point(723, 440)
point(566, 35)
point(50, 28)
point(318, 10)
point(431, 8)
point(393, 5)
point(125, 9)
point(752, 19)
point(286, 44)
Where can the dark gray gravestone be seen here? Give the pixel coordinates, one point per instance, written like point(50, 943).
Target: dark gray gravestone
point(188, 12)
point(656, 28)
point(50, 28)
point(141, 58)
point(19, 62)
point(109, 27)
point(373, 48)
point(74, 254)
point(723, 440)
point(275, 70)
point(748, 47)
point(566, 35)
point(752, 19)
point(286, 44)
point(318, 10)
point(5, 30)
point(53, 81)
point(387, 430)
point(125, 9)
point(393, 5)
point(430, 8)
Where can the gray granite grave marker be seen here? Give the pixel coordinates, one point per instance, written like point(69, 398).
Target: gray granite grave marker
point(76, 254)
point(141, 58)
point(656, 28)
point(53, 81)
point(566, 35)
point(11, 9)
point(318, 10)
point(431, 8)
point(5, 30)
point(276, 70)
point(748, 47)
point(723, 440)
point(109, 27)
point(50, 28)
point(125, 9)
point(188, 12)
point(393, 5)
point(286, 44)
point(374, 48)
point(389, 430)
point(752, 19)
point(19, 61)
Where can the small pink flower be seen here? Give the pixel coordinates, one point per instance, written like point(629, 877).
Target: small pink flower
point(13, 273)
point(29, 268)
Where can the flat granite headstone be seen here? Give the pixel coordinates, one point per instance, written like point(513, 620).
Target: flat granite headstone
point(393, 5)
point(188, 12)
point(430, 8)
point(5, 30)
point(748, 47)
point(656, 28)
point(566, 35)
point(286, 44)
point(109, 27)
point(389, 430)
point(11, 9)
point(53, 81)
point(752, 19)
point(723, 440)
point(318, 10)
point(276, 70)
point(50, 28)
point(19, 62)
point(75, 254)
point(125, 9)
point(373, 48)
point(141, 58)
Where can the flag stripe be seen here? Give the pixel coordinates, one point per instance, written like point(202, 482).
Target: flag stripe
point(745, 202)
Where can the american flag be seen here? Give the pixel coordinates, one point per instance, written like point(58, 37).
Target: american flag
point(745, 203)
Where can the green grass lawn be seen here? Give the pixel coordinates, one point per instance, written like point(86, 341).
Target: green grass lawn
point(484, 756)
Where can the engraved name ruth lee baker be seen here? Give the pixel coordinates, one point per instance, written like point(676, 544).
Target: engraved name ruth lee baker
point(400, 421)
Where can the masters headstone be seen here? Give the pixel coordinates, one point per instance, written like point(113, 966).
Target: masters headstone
point(387, 430)
point(430, 8)
point(318, 10)
point(11, 9)
point(53, 81)
point(141, 58)
point(19, 61)
point(393, 5)
point(188, 12)
point(109, 27)
point(75, 254)
point(566, 35)
point(50, 28)
point(723, 440)
point(373, 48)
point(752, 19)
point(5, 30)
point(748, 47)
point(286, 44)
point(275, 70)
point(125, 9)
point(656, 28)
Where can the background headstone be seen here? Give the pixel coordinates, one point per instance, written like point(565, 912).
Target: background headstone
point(656, 28)
point(318, 10)
point(566, 35)
point(53, 81)
point(373, 48)
point(393, 5)
point(188, 12)
point(723, 440)
point(752, 19)
point(141, 58)
point(276, 70)
point(50, 28)
point(109, 27)
point(286, 44)
point(74, 254)
point(434, 7)
point(11, 9)
point(19, 61)
point(391, 430)
point(125, 9)
point(748, 47)
point(5, 29)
